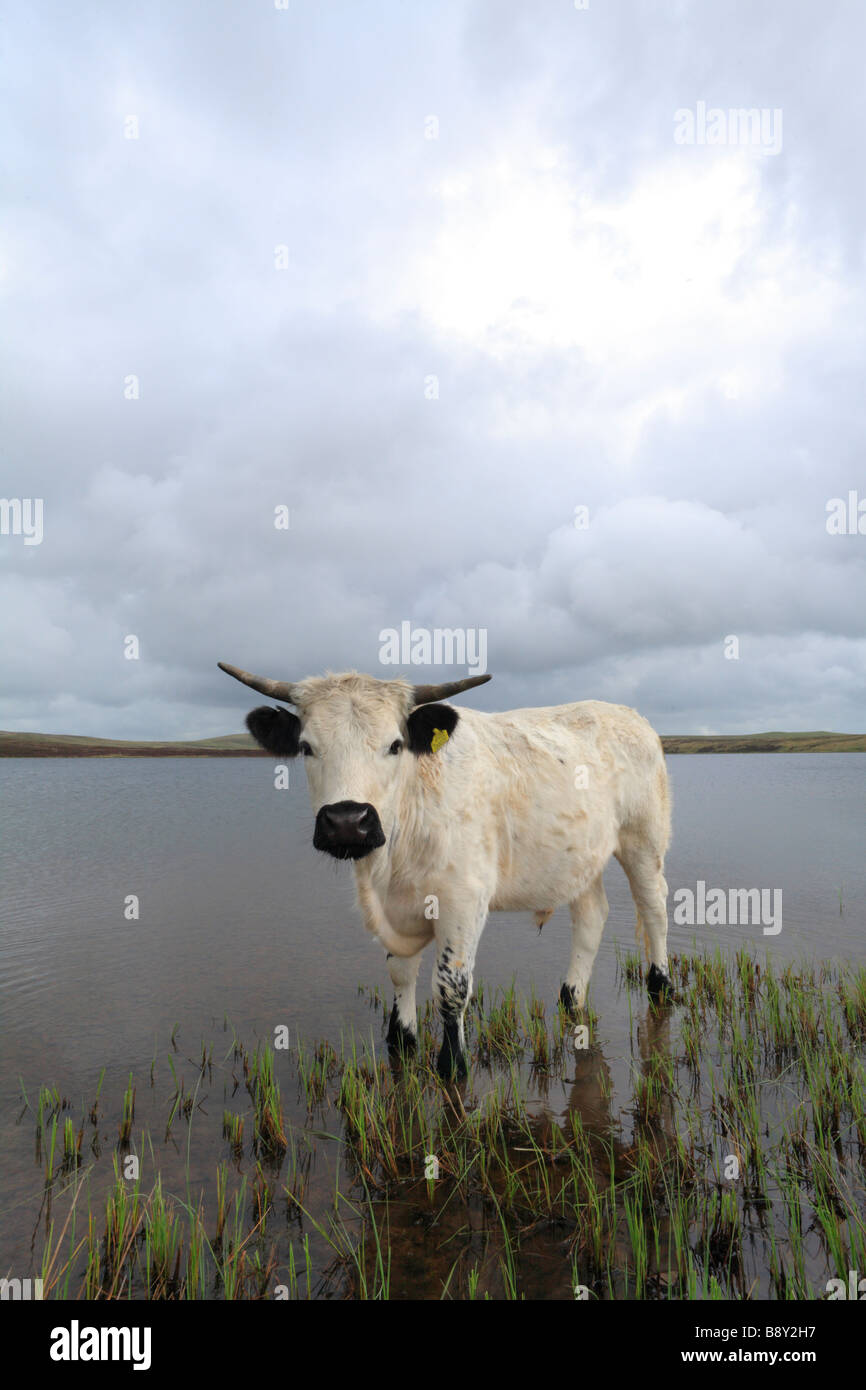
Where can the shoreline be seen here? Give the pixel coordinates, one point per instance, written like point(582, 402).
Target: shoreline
point(74, 746)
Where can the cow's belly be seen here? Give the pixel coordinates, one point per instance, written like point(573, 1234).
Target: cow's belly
point(523, 856)
point(555, 866)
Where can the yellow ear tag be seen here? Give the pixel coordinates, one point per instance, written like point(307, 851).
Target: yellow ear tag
point(439, 737)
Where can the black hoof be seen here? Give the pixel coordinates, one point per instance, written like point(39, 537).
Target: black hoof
point(400, 1039)
point(451, 1064)
point(659, 985)
point(568, 999)
point(451, 1067)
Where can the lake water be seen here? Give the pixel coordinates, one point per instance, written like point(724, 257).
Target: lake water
point(239, 918)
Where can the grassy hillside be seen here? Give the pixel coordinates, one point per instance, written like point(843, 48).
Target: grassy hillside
point(242, 745)
point(818, 741)
point(75, 746)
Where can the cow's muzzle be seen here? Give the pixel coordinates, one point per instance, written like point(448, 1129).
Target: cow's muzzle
point(348, 830)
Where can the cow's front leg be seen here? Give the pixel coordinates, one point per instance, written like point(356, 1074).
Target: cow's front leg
point(403, 1023)
point(452, 986)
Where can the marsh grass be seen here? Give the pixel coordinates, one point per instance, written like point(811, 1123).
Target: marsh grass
point(730, 1165)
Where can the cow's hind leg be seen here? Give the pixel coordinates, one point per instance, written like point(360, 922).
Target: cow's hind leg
point(588, 916)
point(403, 1023)
point(644, 868)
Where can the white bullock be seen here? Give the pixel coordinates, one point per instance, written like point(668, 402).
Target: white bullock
point(449, 815)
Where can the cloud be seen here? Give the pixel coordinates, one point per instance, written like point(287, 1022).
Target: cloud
point(668, 336)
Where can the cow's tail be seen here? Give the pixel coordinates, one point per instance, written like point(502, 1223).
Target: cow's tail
point(378, 925)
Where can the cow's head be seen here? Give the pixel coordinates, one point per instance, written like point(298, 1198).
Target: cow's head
point(358, 737)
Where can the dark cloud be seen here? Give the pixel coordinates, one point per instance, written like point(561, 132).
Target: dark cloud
point(669, 336)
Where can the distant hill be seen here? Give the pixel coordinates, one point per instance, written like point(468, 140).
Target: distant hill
point(819, 741)
point(243, 746)
point(76, 746)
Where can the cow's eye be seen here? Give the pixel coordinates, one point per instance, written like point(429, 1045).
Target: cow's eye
point(396, 746)
point(305, 749)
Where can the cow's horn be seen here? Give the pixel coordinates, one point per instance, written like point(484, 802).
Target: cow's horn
point(277, 690)
point(426, 694)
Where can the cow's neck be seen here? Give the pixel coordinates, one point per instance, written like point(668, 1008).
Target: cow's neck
point(376, 919)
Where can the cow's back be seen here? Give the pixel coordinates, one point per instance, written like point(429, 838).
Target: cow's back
point(551, 788)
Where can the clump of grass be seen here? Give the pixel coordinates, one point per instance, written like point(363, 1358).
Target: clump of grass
point(128, 1116)
point(317, 1071)
point(233, 1131)
point(270, 1134)
point(296, 1176)
point(72, 1141)
point(630, 968)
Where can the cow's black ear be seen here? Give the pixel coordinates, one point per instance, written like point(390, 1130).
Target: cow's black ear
point(276, 730)
point(430, 726)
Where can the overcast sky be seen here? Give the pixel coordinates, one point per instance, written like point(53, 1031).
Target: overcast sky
point(433, 277)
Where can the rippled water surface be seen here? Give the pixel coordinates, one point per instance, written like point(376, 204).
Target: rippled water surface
point(240, 919)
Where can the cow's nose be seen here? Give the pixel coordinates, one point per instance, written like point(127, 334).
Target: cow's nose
point(347, 820)
point(348, 829)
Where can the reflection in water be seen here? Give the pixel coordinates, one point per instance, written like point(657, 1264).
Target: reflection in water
point(549, 1174)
